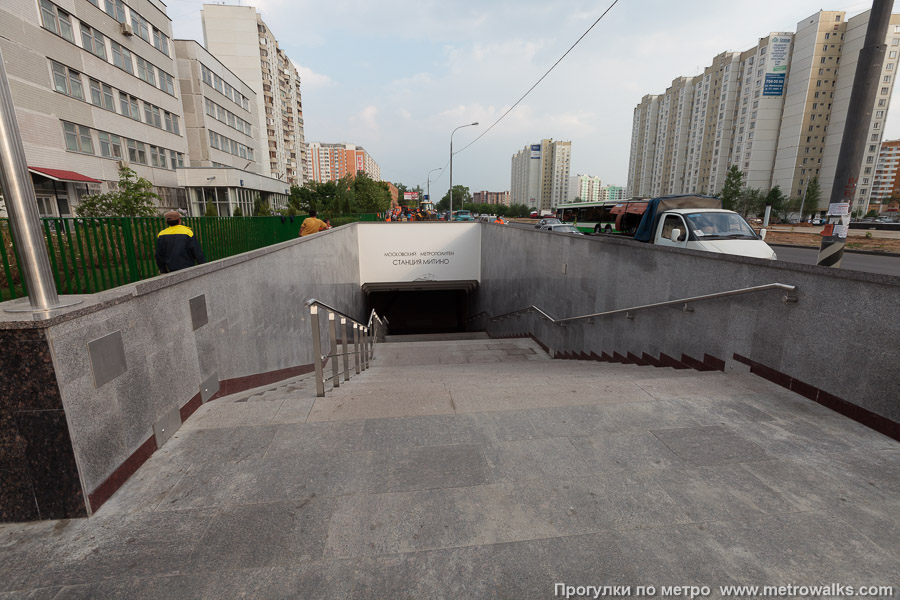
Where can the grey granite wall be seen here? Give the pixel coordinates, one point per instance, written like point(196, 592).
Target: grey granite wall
point(255, 323)
point(840, 337)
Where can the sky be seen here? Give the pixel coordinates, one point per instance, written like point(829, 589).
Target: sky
point(397, 76)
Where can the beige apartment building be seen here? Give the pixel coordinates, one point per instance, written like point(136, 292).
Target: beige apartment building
point(94, 86)
point(776, 110)
point(239, 38)
point(221, 123)
point(540, 175)
point(330, 162)
point(485, 197)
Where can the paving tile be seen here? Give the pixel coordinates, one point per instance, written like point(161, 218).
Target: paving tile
point(428, 468)
point(261, 535)
point(404, 432)
point(542, 459)
point(327, 436)
point(46, 593)
point(614, 418)
point(175, 587)
point(489, 427)
point(408, 404)
point(632, 452)
point(709, 445)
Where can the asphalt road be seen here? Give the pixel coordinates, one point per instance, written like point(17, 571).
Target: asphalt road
point(852, 261)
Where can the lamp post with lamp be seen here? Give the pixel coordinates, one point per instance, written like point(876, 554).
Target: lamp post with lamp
point(451, 164)
point(428, 185)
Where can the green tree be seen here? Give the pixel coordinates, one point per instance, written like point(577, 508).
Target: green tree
point(237, 212)
point(872, 213)
point(732, 188)
point(134, 198)
point(781, 205)
point(812, 198)
point(211, 210)
point(461, 195)
point(261, 207)
point(518, 210)
point(750, 202)
point(371, 195)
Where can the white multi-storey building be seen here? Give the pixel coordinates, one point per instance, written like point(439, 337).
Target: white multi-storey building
point(239, 38)
point(93, 82)
point(540, 175)
point(330, 162)
point(584, 188)
point(222, 127)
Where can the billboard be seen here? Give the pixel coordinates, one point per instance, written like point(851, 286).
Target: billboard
point(536, 151)
point(776, 69)
point(410, 196)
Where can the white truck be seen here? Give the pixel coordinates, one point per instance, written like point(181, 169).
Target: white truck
point(698, 223)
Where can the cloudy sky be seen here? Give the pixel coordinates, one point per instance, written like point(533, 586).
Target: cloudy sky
point(397, 76)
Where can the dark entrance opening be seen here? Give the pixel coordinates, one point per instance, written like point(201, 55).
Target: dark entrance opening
point(421, 311)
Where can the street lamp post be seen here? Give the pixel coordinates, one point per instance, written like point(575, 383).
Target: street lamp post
point(428, 185)
point(451, 164)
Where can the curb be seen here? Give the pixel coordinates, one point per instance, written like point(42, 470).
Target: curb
point(872, 252)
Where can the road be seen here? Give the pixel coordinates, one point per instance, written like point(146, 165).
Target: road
point(853, 261)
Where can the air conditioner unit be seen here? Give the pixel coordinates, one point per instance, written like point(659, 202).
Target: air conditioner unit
point(122, 164)
point(126, 28)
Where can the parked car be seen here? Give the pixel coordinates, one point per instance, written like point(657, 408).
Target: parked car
point(561, 228)
point(463, 215)
point(547, 221)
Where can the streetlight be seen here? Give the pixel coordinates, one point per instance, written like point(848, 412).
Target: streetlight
point(451, 165)
point(429, 181)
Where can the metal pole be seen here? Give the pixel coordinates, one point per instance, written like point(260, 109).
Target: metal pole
point(335, 370)
point(317, 350)
point(344, 343)
point(21, 204)
point(356, 346)
point(451, 165)
point(866, 82)
point(363, 340)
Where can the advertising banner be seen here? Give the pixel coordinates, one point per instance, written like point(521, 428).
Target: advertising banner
point(410, 196)
point(419, 252)
point(779, 51)
point(536, 151)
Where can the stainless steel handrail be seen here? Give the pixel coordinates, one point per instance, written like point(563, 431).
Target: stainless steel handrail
point(633, 309)
point(365, 337)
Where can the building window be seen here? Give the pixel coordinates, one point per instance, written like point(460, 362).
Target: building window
point(884, 91)
point(146, 71)
point(67, 81)
point(152, 115)
point(206, 74)
point(140, 26)
point(176, 159)
point(57, 20)
point(166, 83)
point(102, 95)
point(122, 57)
point(78, 138)
point(110, 145)
point(160, 41)
point(136, 152)
point(171, 122)
point(129, 106)
point(116, 9)
point(93, 41)
point(158, 157)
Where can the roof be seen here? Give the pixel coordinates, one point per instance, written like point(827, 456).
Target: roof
point(62, 175)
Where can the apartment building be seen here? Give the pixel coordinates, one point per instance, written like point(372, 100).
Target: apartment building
point(886, 182)
point(854, 36)
point(584, 188)
point(776, 110)
point(540, 175)
point(330, 162)
point(221, 123)
point(613, 193)
point(485, 197)
point(94, 86)
point(239, 38)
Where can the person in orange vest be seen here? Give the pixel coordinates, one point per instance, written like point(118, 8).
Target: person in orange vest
point(498, 220)
point(312, 225)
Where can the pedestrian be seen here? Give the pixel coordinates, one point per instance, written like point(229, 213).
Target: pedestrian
point(176, 246)
point(328, 223)
point(312, 225)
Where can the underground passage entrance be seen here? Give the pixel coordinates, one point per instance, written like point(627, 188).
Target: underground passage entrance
point(421, 310)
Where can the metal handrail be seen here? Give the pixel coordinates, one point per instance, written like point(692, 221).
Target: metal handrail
point(633, 309)
point(365, 337)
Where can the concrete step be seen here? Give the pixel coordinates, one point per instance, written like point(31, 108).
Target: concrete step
point(438, 337)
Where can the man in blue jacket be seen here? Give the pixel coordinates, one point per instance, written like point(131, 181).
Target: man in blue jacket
point(176, 246)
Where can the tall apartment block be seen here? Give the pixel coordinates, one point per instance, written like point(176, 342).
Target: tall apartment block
point(222, 127)
point(239, 38)
point(776, 110)
point(584, 188)
point(886, 184)
point(93, 82)
point(612, 193)
point(330, 162)
point(540, 175)
point(484, 197)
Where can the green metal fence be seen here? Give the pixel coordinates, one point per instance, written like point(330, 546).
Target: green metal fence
point(92, 255)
